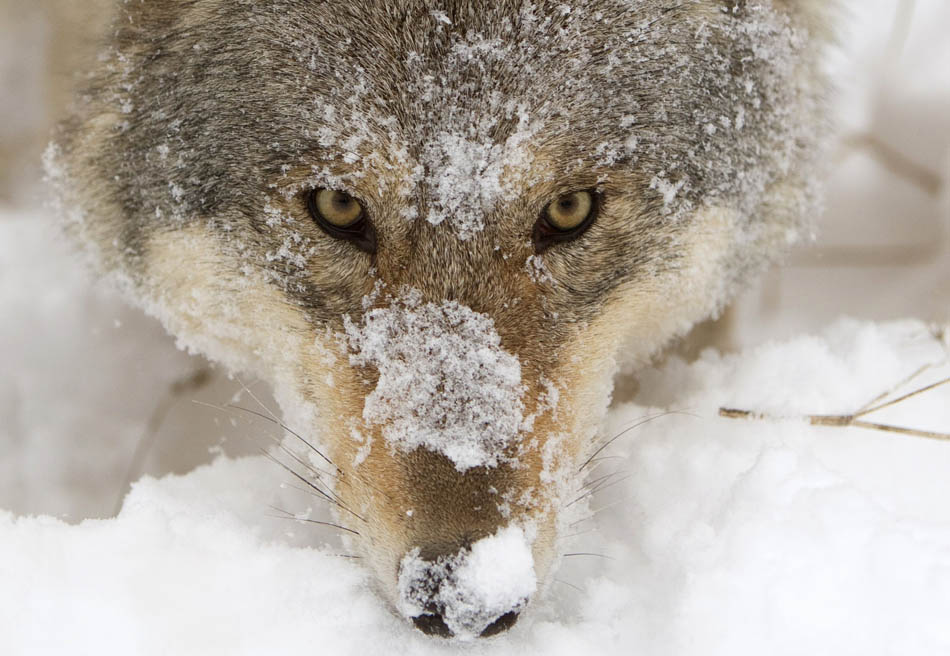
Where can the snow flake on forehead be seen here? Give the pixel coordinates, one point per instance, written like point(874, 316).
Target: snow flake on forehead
point(469, 163)
point(468, 177)
point(445, 383)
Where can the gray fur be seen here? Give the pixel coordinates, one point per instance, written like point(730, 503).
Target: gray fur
point(217, 100)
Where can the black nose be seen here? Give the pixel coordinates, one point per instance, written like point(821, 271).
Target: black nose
point(432, 624)
point(476, 590)
point(501, 625)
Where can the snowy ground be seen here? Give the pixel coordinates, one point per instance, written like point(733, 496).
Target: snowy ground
point(728, 536)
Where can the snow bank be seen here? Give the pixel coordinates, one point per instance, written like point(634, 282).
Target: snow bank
point(727, 537)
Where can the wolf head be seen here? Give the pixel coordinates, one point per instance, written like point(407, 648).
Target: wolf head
point(434, 224)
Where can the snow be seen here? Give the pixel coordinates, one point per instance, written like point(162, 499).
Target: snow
point(444, 381)
point(726, 537)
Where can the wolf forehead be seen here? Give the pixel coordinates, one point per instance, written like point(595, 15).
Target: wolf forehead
point(454, 105)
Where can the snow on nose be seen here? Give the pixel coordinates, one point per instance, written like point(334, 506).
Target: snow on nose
point(476, 592)
point(445, 382)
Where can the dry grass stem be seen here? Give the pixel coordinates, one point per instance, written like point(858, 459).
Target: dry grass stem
point(855, 420)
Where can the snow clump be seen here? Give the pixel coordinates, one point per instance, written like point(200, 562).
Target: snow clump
point(445, 383)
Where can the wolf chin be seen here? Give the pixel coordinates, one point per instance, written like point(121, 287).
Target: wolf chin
point(436, 226)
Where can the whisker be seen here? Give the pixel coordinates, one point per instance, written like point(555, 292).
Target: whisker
point(604, 458)
point(594, 490)
point(618, 436)
point(275, 441)
point(602, 479)
point(264, 407)
point(570, 585)
point(339, 474)
point(278, 421)
point(585, 553)
point(582, 520)
point(617, 481)
point(591, 493)
point(308, 483)
point(286, 428)
point(301, 490)
point(597, 464)
point(313, 487)
point(331, 524)
point(292, 516)
point(326, 496)
point(596, 512)
point(321, 496)
point(316, 472)
point(624, 432)
point(576, 535)
point(597, 480)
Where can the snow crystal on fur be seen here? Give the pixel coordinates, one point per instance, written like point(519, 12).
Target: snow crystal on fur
point(445, 383)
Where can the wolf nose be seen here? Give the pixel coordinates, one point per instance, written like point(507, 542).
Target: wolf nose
point(502, 624)
point(479, 591)
point(433, 624)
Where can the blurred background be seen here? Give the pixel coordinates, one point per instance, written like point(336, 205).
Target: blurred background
point(93, 393)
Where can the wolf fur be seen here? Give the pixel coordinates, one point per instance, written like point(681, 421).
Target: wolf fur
point(454, 122)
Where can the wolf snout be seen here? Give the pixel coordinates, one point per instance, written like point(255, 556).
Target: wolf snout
point(477, 592)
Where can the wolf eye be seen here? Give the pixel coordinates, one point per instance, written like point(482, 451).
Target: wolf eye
point(337, 208)
point(343, 217)
point(565, 219)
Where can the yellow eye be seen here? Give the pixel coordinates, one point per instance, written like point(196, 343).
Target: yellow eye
point(336, 208)
point(566, 219)
point(342, 217)
point(570, 211)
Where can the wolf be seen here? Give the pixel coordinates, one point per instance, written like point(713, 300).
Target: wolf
point(438, 228)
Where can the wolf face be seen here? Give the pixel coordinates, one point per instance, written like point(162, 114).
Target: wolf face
point(433, 225)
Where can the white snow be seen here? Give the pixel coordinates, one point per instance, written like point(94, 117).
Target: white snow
point(444, 383)
point(728, 537)
point(469, 177)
